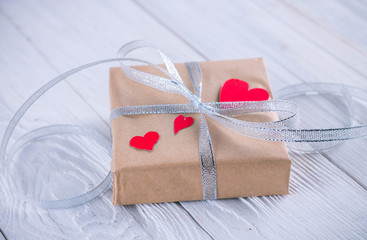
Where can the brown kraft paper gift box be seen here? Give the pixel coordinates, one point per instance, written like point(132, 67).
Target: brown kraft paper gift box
point(172, 172)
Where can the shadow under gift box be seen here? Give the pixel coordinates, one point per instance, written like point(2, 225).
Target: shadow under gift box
point(172, 171)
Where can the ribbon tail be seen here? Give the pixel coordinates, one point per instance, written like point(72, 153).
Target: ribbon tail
point(208, 168)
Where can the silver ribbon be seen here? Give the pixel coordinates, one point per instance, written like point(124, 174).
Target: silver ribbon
point(281, 130)
point(208, 169)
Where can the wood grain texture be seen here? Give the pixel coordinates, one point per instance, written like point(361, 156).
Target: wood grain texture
point(19, 220)
point(341, 47)
point(328, 32)
point(323, 204)
point(253, 32)
point(24, 23)
point(302, 59)
point(347, 21)
point(327, 199)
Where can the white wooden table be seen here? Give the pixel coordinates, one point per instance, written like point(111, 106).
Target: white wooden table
point(301, 41)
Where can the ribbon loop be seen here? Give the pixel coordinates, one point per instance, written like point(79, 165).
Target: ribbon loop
point(172, 84)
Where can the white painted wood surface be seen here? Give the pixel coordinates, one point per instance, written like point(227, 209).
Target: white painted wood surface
point(301, 42)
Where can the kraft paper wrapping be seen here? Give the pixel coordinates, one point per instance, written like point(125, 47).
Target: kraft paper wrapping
point(172, 172)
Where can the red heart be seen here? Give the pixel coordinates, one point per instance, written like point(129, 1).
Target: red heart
point(145, 143)
point(235, 90)
point(181, 122)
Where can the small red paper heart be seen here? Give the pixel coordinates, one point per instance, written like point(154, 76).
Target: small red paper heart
point(181, 122)
point(236, 90)
point(145, 143)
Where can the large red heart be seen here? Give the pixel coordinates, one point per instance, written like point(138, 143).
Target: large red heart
point(181, 122)
point(236, 90)
point(145, 143)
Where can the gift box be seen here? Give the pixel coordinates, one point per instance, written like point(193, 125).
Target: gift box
point(172, 170)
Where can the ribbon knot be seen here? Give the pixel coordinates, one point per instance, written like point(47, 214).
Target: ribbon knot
point(196, 102)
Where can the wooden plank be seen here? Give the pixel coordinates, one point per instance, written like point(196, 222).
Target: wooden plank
point(19, 220)
point(99, 217)
point(243, 30)
point(351, 158)
point(346, 20)
point(324, 202)
point(94, 32)
point(319, 35)
point(312, 26)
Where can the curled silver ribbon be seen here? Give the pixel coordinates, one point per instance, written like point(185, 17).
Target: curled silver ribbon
point(281, 130)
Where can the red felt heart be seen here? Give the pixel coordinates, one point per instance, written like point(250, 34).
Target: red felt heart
point(236, 90)
point(145, 143)
point(181, 122)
